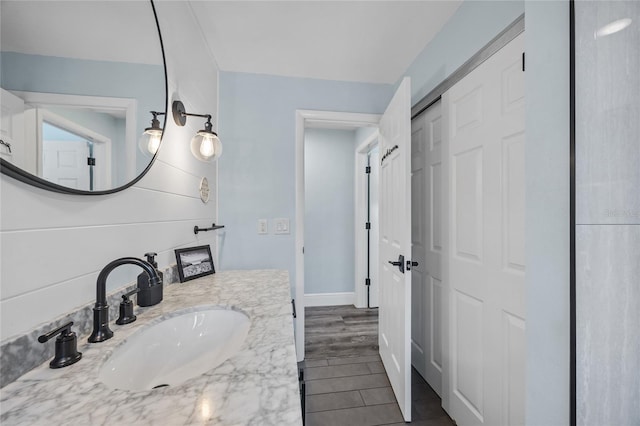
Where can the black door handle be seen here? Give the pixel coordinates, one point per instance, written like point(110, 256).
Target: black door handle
point(399, 263)
point(410, 264)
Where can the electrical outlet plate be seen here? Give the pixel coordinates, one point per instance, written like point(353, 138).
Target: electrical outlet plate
point(262, 226)
point(281, 225)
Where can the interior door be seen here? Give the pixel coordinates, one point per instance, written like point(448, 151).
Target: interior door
point(395, 245)
point(486, 250)
point(427, 325)
point(65, 163)
point(12, 128)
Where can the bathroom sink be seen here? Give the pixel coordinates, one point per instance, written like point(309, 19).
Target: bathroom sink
point(175, 350)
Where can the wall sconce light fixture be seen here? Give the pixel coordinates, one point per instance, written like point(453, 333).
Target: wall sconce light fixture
point(205, 145)
point(150, 139)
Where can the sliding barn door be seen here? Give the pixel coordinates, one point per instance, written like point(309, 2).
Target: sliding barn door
point(486, 248)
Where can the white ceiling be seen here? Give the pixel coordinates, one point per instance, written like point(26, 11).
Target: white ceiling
point(368, 41)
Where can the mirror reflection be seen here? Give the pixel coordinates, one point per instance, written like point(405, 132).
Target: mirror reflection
point(78, 82)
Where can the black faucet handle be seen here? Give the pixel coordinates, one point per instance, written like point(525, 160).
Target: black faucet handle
point(151, 257)
point(125, 297)
point(66, 346)
point(126, 309)
point(63, 330)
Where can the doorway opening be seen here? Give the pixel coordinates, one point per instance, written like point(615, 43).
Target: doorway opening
point(367, 215)
point(320, 120)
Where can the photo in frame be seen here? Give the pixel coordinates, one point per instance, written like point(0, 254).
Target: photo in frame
point(194, 262)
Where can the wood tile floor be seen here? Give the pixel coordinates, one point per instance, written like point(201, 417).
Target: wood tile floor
point(346, 383)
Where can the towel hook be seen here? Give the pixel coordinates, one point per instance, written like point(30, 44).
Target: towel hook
point(7, 144)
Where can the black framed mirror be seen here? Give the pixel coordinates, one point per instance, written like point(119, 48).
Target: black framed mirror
point(78, 84)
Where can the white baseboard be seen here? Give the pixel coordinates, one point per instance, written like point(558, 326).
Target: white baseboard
point(329, 299)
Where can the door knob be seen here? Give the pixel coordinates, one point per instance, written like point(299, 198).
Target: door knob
point(410, 264)
point(399, 263)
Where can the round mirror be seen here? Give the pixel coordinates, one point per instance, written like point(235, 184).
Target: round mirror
point(83, 91)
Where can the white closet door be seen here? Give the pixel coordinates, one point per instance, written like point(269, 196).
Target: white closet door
point(427, 325)
point(486, 248)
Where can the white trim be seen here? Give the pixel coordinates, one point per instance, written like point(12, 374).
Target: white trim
point(329, 299)
point(304, 118)
point(362, 152)
point(128, 105)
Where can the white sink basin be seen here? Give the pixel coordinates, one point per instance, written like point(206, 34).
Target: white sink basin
point(175, 350)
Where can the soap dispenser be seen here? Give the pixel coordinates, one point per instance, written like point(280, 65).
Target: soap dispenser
point(149, 295)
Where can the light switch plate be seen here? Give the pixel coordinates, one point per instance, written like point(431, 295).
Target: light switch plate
point(281, 225)
point(263, 226)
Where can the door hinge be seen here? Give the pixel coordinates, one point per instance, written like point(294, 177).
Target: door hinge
point(91, 161)
point(367, 225)
point(522, 61)
point(367, 281)
point(302, 250)
point(367, 169)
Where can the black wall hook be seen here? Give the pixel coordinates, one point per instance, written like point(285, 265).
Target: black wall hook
point(197, 229)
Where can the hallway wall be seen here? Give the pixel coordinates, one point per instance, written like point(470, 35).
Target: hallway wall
point(329, 246)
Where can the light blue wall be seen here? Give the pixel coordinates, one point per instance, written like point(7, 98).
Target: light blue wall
point(49, 74)
point(473, 25)
point(329, 246)
point(362, 133)
point(547, 212)
point(100, 122)
point(52, 133)
point(257, 169)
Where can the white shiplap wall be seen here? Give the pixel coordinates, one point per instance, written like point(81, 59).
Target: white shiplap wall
point(52, 246)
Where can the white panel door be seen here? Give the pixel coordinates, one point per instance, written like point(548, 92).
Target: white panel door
point(12, 128)
point(395, 245)
point(65, 163)
point(427, 325)
point(484, 115)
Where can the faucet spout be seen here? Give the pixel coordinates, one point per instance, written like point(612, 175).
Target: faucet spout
point(101, 330)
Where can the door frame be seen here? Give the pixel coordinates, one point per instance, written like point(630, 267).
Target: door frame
point(362, 152)
point(128, 105)
point(303, 119)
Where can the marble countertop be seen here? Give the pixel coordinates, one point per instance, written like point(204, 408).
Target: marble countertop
point(256, 386)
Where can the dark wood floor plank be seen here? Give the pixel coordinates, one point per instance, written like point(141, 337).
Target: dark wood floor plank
point(338, 338)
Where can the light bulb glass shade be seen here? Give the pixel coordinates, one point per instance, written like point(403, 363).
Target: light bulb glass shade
point(150, 141)
point(206, 146)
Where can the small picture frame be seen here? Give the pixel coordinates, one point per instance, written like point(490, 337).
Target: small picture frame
point(194, 262)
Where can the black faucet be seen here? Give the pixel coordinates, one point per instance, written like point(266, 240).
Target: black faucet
point(101, 331)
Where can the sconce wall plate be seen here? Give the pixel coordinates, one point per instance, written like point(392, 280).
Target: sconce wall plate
point(179, 113)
